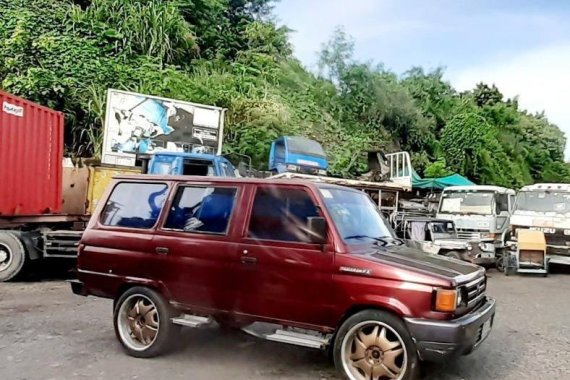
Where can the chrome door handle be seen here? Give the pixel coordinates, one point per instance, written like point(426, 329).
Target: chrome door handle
point(162, 250)
point(248, 260)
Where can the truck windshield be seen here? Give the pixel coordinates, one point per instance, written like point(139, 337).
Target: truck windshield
point(305, 146)
point(457, 202)
point(355, 216)
point(544, 201)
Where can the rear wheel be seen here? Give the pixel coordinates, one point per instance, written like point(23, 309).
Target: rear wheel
point(142, 322)
point(374, 344)
point(12, 256)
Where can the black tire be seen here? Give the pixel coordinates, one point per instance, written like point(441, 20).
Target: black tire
point(500, 261)
point(454, 255)
point(13, 256)
point(166, 330)
point(396, 332)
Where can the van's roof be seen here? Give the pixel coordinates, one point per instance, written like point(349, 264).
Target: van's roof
point(497, 189)
point(212, 179)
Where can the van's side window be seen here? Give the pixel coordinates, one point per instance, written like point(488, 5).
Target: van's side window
point(134, 205)
point(281, 214)
point(201, 209)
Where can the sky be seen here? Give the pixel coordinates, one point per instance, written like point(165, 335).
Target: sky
point(522, 46)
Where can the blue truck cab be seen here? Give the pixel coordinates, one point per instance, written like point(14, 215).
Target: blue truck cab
point(181, 163)
point(298, 155)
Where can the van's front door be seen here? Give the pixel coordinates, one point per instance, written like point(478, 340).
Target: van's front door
point(280, 274)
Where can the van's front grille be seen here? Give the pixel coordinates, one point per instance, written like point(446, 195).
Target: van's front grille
point(474, 291)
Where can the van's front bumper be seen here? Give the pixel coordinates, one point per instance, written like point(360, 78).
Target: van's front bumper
point(438, 340)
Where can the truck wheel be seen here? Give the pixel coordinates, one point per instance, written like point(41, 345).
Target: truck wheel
point(499, 262)
point(454, 255)
point(12, 256)
point(374, 344)
point(142, 322)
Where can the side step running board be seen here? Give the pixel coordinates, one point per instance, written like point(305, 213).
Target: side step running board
point(191, 320)
point(296, 338)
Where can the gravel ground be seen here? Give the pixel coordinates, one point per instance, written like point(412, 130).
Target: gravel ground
point(48, 333)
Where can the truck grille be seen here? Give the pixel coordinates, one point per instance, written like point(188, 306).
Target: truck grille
point(469, 235)
point(61, 243)
point(475, 291)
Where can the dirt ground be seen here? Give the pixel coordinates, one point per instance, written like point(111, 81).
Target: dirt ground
point(48, 333)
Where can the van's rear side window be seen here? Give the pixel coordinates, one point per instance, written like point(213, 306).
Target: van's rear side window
point(202, 209)
point(134, 205)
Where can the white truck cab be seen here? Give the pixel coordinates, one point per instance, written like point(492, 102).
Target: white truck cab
point(546, 207)
point(481, 215)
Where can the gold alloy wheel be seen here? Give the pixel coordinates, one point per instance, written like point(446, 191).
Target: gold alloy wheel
point(138, 322)
point(372, 350)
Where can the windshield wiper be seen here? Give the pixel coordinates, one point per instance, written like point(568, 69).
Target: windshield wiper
point(379, 239)
point(361, 237)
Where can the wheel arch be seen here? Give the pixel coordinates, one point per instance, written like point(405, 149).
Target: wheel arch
point(130, 283)
point(357, 308)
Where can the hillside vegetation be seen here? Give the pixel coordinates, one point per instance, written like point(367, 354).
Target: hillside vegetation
point(65, 54)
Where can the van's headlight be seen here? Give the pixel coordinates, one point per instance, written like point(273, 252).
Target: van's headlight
point(322, 172)
point(292, 168)
point(446, 300)
point(488, 235)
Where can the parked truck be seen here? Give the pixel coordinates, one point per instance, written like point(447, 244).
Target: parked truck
point(545, 207)
point(44, 204)
point(481, 215)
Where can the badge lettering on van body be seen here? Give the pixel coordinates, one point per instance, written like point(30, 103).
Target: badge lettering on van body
point(364, 271)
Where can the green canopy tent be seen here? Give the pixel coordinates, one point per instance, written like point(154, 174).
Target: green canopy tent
point(439, 183)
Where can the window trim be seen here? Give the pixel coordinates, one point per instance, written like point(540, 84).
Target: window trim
point(182, 186)
point(249, 239)
point(156, 222)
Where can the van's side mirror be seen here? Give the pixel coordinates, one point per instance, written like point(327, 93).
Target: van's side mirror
point(317, 229)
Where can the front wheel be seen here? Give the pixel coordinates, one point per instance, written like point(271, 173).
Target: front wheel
point(142, 322)
point(374, 344)
point(500, 261)
point(454, 255)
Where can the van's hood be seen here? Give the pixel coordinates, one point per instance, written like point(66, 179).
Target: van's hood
point(415, 260)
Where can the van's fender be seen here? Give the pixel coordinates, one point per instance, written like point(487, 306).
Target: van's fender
point(374, 301)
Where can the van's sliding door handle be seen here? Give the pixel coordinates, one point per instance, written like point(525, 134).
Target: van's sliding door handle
point(248, 260)
point(162, 250)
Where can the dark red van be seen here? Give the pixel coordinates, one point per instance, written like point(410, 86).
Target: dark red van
point(296, 262)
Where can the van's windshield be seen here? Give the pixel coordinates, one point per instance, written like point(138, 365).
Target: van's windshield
point(355, 216)
point(557, 202)
point(467, 202)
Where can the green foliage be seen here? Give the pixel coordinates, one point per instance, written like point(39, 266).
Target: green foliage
point(66, 53)
point(437, 169)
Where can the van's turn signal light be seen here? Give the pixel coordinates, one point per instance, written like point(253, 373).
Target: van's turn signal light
point(445, 300)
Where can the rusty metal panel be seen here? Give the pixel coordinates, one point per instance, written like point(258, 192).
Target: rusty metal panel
point(31, 154)
point(75, 182)
point(99, 178)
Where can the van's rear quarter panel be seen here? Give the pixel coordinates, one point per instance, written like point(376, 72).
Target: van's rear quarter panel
point(31, 153)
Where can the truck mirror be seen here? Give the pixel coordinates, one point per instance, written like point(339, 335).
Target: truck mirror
point(317, 229)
